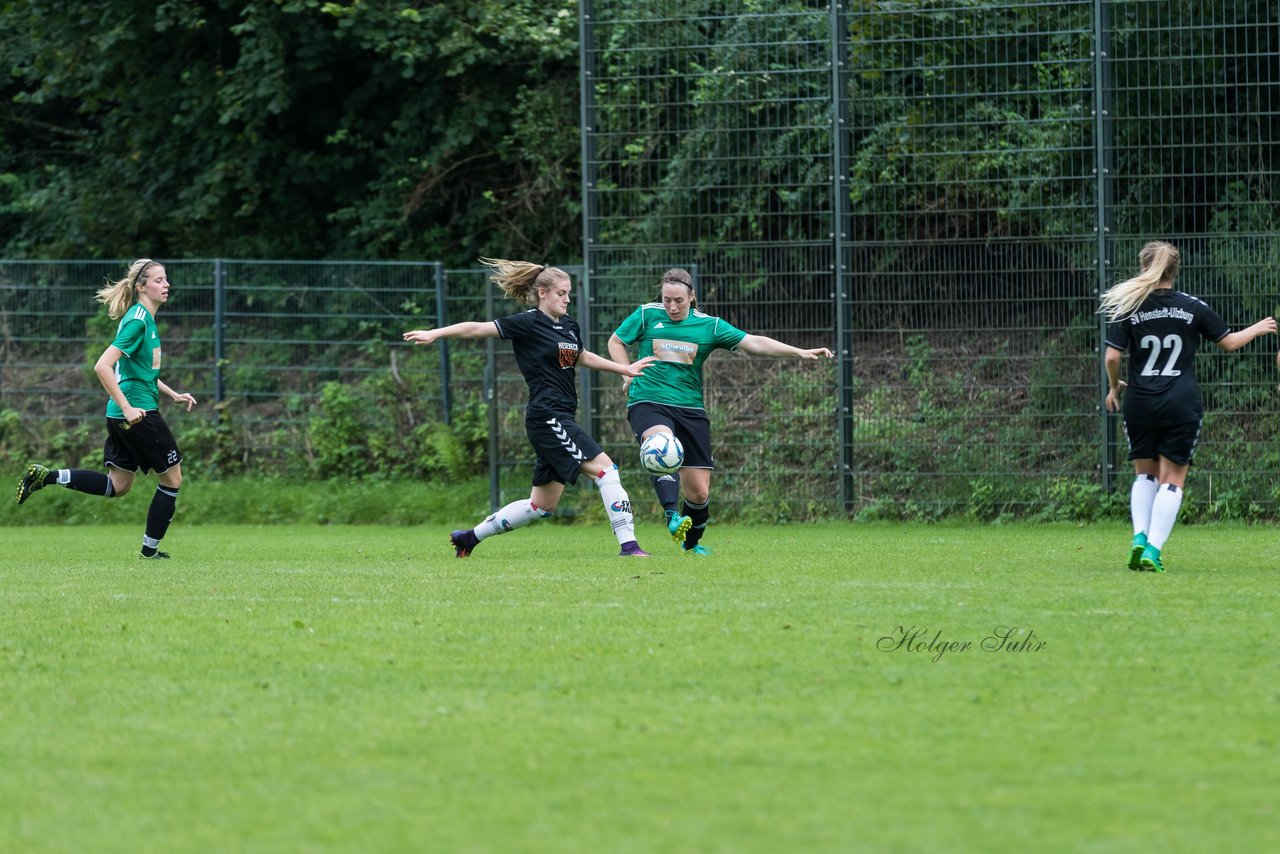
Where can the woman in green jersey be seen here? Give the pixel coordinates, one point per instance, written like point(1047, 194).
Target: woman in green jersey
point(137, 435)
point(668, 396)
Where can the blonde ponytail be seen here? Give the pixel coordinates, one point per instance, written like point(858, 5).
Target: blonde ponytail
point(520, 280)
point(1159, 264)
point(117, 296)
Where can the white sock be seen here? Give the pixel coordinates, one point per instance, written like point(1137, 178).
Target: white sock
point(1164, 512)
point(617, 505)
point(517, 514)
point(1141, 496)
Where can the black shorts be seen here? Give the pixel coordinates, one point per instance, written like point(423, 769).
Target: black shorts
point(147, 445)
point(691, 426)
point(562, 447)
point(1175, 442)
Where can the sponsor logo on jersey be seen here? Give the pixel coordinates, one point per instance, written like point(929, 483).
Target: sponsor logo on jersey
point(568, 354)
point(620, 507)
point(667, 350)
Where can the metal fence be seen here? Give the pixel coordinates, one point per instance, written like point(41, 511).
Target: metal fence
point(938, 190)
point(941, 189)
point(254, 341)
point(257, 343)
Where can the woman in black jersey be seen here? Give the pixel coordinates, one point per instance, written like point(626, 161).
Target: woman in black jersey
point(548, 346)
point(1160, 328)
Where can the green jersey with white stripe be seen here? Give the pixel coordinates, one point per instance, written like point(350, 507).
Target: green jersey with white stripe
point(139, 367)
point(680, 348)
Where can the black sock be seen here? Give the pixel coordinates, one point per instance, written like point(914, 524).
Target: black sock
point(85, 480)
point(699, 513)
point(668, 491)
point(160, 513)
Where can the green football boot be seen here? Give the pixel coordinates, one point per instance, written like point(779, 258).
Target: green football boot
point(31, 481)
point(678, 526)
point(1150, 560)
point(1135, 552)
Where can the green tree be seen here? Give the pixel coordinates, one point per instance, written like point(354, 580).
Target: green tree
point(289, 128)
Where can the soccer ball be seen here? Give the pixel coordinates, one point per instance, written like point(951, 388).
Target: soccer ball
point(662, 453)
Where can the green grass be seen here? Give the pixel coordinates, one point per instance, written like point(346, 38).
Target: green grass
point(322, 688)
point(258, 501)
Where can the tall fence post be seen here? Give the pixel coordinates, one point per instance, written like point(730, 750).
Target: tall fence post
point(1102, 225)
point(491, 401)
point(219, 334)
point(442, 320)
point(586, 83)
point(841, 279)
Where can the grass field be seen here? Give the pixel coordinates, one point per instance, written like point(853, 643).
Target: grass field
point(356, 688)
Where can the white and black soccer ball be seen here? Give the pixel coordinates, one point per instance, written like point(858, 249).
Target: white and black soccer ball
point(661, 453)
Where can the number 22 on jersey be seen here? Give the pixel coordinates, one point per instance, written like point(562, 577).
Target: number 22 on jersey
point(1171, 344)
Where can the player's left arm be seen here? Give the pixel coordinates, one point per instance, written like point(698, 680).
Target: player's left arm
point(763, 345)
point(174, 396)
point(1236, 340)
point(587, 359)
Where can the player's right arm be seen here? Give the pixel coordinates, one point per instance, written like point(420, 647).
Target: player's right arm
point(466, 329)
point(1114, 383)
point(618, 350)
point(105, 368)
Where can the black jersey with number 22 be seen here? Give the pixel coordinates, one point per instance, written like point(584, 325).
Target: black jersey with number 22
point(1161, 339)
point(546, 352)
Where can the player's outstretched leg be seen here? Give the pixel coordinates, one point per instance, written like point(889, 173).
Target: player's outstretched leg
point(81, 480)
point(667, 488)
point(517, 514)
point(32, 481)
point(1135, 551)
